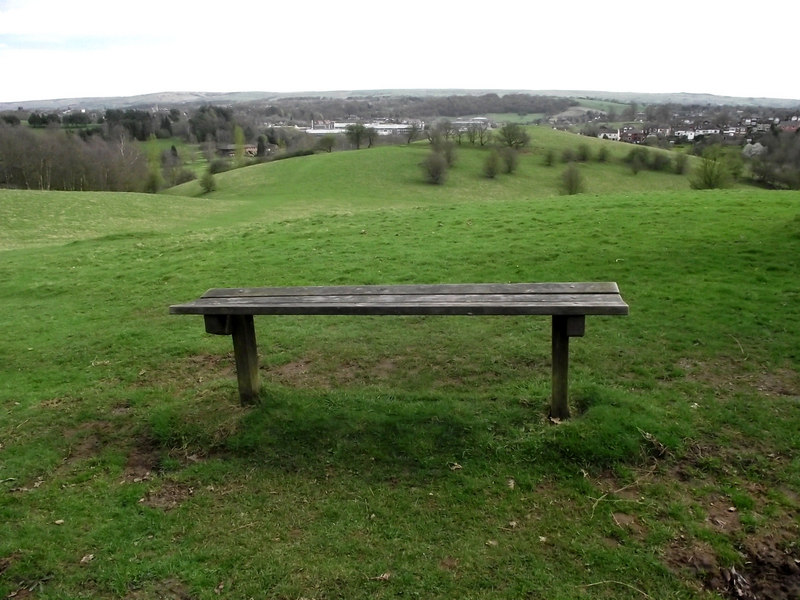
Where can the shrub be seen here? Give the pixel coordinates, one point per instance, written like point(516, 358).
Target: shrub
point(572, 180)
point(207, 182)
point(491, 165)
point(638, 158)
point(602, 154)
point(447, 149)
point(510, 159)
point(549, 158)
point(681, 164)
point(219, 165)
point(710, 174)
point(660, 162)
point(583, 153)
point(567, 155)
point(184, 175)
point(435, 168)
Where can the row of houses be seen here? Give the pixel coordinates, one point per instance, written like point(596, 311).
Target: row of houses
point(389, 128)
point(382, 127)
point(636, 134)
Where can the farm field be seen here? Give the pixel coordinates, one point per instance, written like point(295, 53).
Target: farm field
point(401, 456)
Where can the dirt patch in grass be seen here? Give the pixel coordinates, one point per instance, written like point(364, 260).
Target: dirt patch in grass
point(731, 374)
point(308, 372)
point(87, 439)
point(168, 497)
point(721, 515)
point(169, 589)
point(7, 561)
point(143, 460)
point(773, 565)
point(191, 371)
point(770, 569)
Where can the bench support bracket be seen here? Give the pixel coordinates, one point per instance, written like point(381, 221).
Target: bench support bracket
point(564, 327)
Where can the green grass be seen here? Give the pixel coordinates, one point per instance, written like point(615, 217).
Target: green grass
point(416, 447)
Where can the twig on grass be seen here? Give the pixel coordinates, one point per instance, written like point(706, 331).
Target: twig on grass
point(612, 581)
point(622, 489)
point(739, 344)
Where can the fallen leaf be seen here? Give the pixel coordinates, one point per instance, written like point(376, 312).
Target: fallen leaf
point(512, 524)
point(511, 483)
point(542, 539)
point(59, 522)
point(218, 589)
point(382, 577)
point(455, 466)
point(87, 559)
point(492, 543)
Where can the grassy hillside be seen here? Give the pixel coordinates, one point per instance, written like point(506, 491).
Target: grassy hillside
point(400, 456)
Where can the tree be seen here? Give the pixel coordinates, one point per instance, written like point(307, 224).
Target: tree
point(355, 134)
point(238, 140)
point(435, 168)
point(513, 135)
point(630, 111)
point(372, 134)
point(327, 142)
point(412, 132)
point(484, 133)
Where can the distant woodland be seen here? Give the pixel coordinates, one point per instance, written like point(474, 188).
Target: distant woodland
point(78, 149)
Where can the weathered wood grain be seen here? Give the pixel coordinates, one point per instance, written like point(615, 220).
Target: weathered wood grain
point(456, 299)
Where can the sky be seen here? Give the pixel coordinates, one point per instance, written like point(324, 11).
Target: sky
point(95, 48)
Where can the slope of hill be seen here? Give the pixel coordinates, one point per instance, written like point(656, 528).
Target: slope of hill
point(401, 457)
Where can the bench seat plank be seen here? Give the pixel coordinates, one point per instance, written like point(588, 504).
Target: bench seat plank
point(442, 304)
point(607, 287)
point(453, 299)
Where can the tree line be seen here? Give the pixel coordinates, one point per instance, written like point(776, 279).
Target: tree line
point(62, 160)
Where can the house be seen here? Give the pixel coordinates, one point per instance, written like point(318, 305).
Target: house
point(229, 150)
point(605, 133)
point(632, 134)
point(707, 130)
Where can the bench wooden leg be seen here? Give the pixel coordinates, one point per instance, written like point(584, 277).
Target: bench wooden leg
point(564, 327)
point(559, 404)
point(245, 353)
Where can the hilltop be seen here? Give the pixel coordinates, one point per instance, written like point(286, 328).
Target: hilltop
point(195, 98)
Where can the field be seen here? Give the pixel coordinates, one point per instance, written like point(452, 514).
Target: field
point(401, 456)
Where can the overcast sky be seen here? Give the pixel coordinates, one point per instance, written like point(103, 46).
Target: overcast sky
point(81, 48)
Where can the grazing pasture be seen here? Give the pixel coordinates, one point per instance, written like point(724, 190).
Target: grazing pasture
point(401, 456)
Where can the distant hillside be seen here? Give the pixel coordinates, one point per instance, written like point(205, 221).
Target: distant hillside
point(188, 98)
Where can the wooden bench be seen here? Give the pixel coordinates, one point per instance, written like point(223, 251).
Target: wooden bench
point(230, 312)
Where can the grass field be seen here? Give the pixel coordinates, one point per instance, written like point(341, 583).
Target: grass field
point(401, 457)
